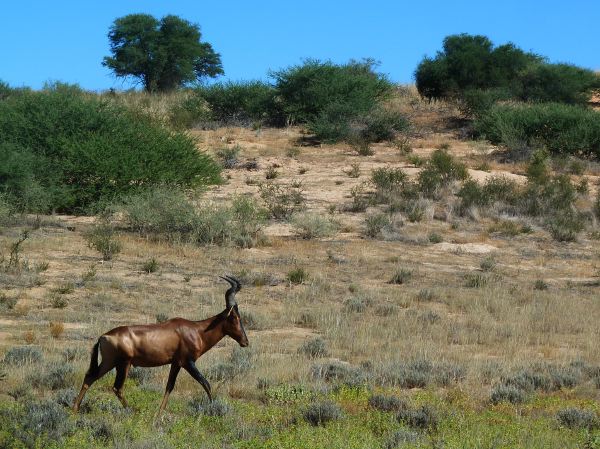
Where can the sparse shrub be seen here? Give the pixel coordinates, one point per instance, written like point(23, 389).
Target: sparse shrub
point(297, 276)
point(161, 317)
point(320, 413)
point(540, 284)
point(89, 275)
point(271, 173)
point(357, 304)
point(424, 417)
point(426, 295)
point(429, 317)
point(57, 301)
point(56, 329)
point(446, 373)
point(339, 372)
point(401, 438)
point(64, 288)
point(362, 146)
point(575, 418)
point(141, 375)
point(388, 182)
point(150, 266)
point(53, 376)
point(7, 302)
point(401, 276)
point(507, 393)
point(43, 419)
point(387, 403)
point(42, 266)
point(22, 355)
point(201, 405)
point(376, 223)
point(314, 348)
point(435, 238)
point(280, 200)
point(476, 280)
point(102, 238)
point(488, 264)
point(312, 225)
point(229, 156)
point(439, 171)
point(508, 228)
point(386, 310)
point(66, 397)
point(360, 199)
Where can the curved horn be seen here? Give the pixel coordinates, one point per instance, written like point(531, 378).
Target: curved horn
point(230, 293)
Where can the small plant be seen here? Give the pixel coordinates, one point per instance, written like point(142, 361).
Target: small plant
point(434, 238)
point(53, 376)
point(376, 223)
point(7, 302)
point(575, 418)
point(297, 276)
point(42, 266)
point(58, 301)
point(476, 280)
point(387, 403)
point(320, 413)
point(229, 156)
point(64, 288)
point(401, 276)
point(401, 438)
point(29, 337)
point(302, 170)
point(102, 238)
point(507, 393)
point(416, 160)
point(488, 264)
point(56, 329)
point(89, 275)
point(271, 173)
point(282, 201)
point(354, 171)
point(425, 295)
point(314, 348)
point(357, 304)
point(151, 266)
point(540, 284)
point(424, 417)
point(362, 147)
point(201, 405)
point(161, 317)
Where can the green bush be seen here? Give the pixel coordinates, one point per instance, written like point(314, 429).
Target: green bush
point(21, 355)
point(102, 238)
point(559, 83)
point(387, 403)
point(440, 170)
point(73, 150)
point(562, 129)
point(471, 69)
point(424, 417)
point(309, 89)
point(575, 418)
point(244, 102)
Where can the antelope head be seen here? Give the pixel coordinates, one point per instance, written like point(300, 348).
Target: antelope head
point(233, 321)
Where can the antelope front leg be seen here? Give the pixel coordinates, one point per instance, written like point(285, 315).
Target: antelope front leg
point(191, 368)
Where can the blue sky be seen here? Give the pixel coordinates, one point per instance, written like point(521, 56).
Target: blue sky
point(44, 40)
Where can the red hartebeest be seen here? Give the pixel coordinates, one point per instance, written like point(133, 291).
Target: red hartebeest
point(177, 342)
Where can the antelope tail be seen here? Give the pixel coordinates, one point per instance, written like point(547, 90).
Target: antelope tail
point(93, 369)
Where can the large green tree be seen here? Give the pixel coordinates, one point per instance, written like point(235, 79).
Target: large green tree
point(162, 54)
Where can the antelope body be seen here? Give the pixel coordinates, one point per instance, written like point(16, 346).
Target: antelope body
point(177, 342)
